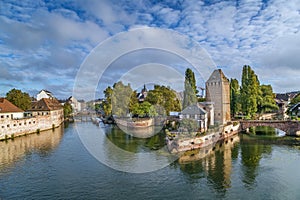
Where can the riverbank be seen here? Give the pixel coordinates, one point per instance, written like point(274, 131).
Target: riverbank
point(181, 142)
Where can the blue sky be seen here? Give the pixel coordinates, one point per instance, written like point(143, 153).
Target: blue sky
point(43, 43)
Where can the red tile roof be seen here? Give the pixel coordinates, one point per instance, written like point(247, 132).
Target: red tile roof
point(7, 107)
point(45, 104)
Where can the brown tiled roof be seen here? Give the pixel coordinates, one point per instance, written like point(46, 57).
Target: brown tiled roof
point(45, 105)
point(7, 107)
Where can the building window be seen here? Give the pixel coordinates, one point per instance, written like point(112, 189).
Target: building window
point(20, 124)
point(219, 114)
point(7, 125)
point(2, 116)
point(2, 127)
point(15, 124)
point(24, 123)
point(7, 116)
point(29, 122)
point(34, 122)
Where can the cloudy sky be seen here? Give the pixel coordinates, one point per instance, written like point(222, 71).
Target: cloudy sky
point(44, 43)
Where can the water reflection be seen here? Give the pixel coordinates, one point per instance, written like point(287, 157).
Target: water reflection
point(266, 131)
point(13, 150)
point(251, 154)
point(133, 144)
point(213, 162)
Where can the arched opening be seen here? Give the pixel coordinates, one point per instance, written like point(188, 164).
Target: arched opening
point(265, 131)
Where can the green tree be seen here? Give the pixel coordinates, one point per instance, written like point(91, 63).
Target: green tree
point(235, 105)
point(19, 98)
point(67, 110)
point(163, 97)
point(107, 106)
point(133, 100)
point(189, 124)
point(250, 92)
point(267, 99)
point(190, 89)
point(144, 109)
point(120, 99)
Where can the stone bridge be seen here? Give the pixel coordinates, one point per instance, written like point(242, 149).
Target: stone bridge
point(289, 127)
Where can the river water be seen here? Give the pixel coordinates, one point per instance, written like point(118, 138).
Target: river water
point(57, 165)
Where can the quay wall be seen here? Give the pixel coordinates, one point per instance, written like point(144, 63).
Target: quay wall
point(135, 124)
point(10, 128)
point(179, 144)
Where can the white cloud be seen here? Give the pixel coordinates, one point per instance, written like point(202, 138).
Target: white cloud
point(53, 38)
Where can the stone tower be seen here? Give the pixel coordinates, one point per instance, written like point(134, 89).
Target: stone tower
point(218, 92)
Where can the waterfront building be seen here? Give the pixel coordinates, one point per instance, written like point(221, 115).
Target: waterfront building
point(44, 94)
point(9, 111)
point(197, 113)
point(218, 92)
point(43, 115)
point(47, 106)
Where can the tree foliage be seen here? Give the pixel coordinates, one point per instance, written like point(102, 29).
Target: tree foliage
point(189, 124)
point(120, 99)
point(19, 98)
point(266, 101)
point(163, 97)
point(250, 92)
point(144, 109)
point(190, 89)
point(67, 109)
point(235, 105)
point(107, 107)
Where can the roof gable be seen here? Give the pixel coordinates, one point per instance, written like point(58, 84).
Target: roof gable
point(8, 107)
point(194, 110)
point(45, 104)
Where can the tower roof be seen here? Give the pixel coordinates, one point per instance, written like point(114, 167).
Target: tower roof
point(217, 75)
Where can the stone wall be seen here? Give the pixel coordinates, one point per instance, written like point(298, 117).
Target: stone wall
point(18, 127)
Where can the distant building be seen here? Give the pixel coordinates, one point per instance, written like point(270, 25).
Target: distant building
point(143, 94)
point(295, 110)
point(218, 92)
point(44, 94)
point(197, 113)
point(9, 110)
point(76, 105)
point(283, 100)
